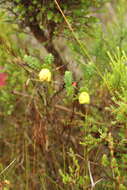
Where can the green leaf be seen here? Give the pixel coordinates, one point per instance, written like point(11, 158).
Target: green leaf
point(68, 79)
point(50, 15)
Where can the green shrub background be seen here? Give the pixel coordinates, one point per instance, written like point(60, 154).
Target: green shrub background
point(48, 140)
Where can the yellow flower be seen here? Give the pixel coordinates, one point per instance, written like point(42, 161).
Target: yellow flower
point(45, 75)
point(84, 98)
point(7, 182)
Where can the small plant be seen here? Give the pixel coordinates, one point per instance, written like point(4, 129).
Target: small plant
point(68, 80)
point(32, 62)
point(65, 133)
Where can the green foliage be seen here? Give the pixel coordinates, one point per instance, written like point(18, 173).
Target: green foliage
point(73, 176)
point(58, 145)
point(15, 75)
point(32, 62)
point(105, 161)
point(48, 61)
point(46, 15)
point(122, 187)
point(68, 80)
point(35, 64)
point(116, 79)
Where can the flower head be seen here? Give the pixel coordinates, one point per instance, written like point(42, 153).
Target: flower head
point(74, 84)
point(84, 98)
point(7, 182)
point(45, 75)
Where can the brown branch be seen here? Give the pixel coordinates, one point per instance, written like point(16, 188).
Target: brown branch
point(68, 110)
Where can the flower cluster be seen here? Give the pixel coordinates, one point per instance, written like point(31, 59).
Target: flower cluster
point(45, 75)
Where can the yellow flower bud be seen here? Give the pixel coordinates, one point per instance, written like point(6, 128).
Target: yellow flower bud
point(84, 98)
point(45, 75)
point(7, 182)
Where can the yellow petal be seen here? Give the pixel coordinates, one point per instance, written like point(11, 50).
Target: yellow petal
point(45, 75)
point(84, 98)
point(7, 182)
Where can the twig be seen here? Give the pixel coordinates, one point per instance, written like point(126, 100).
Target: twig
point(7, 167)
point(71, 29)
point(68, 110)
point(91, 178)
point(21, 94)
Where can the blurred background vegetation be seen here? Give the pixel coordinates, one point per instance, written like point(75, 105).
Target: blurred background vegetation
point(48, 140)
